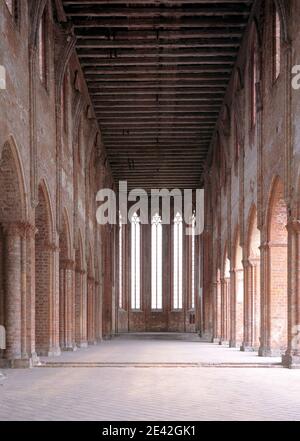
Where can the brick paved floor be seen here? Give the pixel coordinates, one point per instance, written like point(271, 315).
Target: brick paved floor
point(157, 393)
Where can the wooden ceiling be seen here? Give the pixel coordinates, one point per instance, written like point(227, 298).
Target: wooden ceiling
point(157, 73)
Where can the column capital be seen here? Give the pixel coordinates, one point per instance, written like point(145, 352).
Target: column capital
point(293, 226)
point(264, 246)
point(51, 246)
point(14, 228)
point(30, 230)
point(246, 263)
point(67, 264)
point(80, 270)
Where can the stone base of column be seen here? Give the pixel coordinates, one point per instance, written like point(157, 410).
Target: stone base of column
point(16, 363)
point(215, 340)
point(291, 361)
point(232, 344)
point(82, 344)
point(205, 337)
point(92, 343)
point(247, 348)
point(54, 352)
point(223, 342)
point(269, 352)
point(72, 348)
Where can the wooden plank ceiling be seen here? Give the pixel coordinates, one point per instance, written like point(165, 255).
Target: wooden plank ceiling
point(157, 72)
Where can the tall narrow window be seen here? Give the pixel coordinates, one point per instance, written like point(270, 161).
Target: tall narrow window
point(177, 262)
point(42, 49)
point(276, 44)
point(193, 262)
point(10, 5)
point(253, 88)
point(135, 262)
point(64, 103)
point(237, 146)
point(156, 245)
point(13, 7)
point(120, 262)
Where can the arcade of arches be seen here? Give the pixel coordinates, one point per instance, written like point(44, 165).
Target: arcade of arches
point(67, 282)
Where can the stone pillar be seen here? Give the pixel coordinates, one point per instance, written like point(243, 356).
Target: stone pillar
point(291, 358)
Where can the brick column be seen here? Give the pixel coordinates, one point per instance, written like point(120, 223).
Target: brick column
point(225, 284)
point(247, 344)
point(273, 328)
point(98, 321)
point(28, 308)
point(67, 305)
point(232, 294)
point(216, 315)
point(81, 308)
point(13, 305)
point(255, 264)
point(54, 343)
point(264, 329)
point(91, 310)
point(291, 358)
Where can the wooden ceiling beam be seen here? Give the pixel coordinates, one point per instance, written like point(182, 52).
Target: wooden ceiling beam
point(189, 44)
point(158, 63)
point(157, 73)
point(149, 2)
point(157, 23)
point(142, 78)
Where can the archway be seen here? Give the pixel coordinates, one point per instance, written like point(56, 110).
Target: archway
point(12, 258)
point(43, 285)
